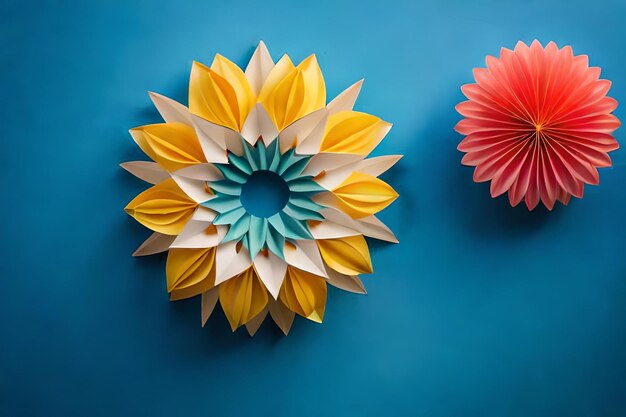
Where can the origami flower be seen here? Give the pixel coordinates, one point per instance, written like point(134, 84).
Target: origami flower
point(262, 192)
point(538, 124)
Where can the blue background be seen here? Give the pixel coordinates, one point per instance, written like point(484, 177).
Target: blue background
point(481, 310)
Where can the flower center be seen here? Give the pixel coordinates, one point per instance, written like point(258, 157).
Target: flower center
point(264, 194)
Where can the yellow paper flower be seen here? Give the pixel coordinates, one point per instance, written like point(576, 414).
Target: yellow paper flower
point(262, 193)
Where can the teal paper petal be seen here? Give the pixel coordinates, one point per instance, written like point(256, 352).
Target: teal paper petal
point(229, 217)
point(226, 187)
point(240, 162)
point(286, 160)
point(273, 152)
point(256, 235)
point(304, 185)
point(304, 201)
point(277, 222)
point(262, 155)
point(275, 242)
point(222, 203)
point(295, 169)
point(249, 153)
point(300, 213)
point(295, 229)
point(232, 173)
point(238, 229)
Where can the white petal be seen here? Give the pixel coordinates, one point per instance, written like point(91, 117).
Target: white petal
point(378, 165)
point(299, 131)
point(331, 179)
point(253, 325)
point(192, 180)
point(203, 214)
point(171, 111)
point(345, 101)
point(258, 123)
point(282, 316)
point(259, 67)
point(371, 226)
point(209, 300)
point(156, 243)
point(229, 262)
point(372, 166)
point(148, 171)
point(195, 189)
point(350, 283)
point(305, 255)
point(329, 161)
point(194, 235)
point(310, 144)
point(202, 172)
point(215, 140)
point(329, 230)
point(271, 270)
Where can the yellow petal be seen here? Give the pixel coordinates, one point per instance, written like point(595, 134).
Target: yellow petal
point(347, 255)
point(242, 298)
point(280, 71)
point(171, 145)
point(164, 208)
point(362, 195)
point(220, 94)
point(190, 272)
point(304, 293)
point(353, 132)
point(299, 92)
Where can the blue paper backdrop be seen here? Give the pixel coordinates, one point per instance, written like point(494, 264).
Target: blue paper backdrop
point(481, 310)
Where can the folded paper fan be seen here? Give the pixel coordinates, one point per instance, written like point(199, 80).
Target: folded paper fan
point(262, 193)
point(537, 124)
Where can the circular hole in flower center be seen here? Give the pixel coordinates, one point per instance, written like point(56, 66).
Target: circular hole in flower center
point(265, 194)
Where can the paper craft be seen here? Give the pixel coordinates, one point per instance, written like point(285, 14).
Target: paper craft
point(537, 124)
point(262, 193)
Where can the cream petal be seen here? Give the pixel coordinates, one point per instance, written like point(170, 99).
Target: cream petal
point(209, 300)
point(148, 171)
point(156, 243)
point(259, 67)
point(305, 255)
point(331, 179)
point(350, 283)
point(215, 140)
point(171, 111)
point(271, 270)
point(329, 230)
point(253, 325)
point(202, 172)
point(192, 180)
point(203, 214)
point(282, 316)
point(200, 234)
point(369, 226)
point(229, 262)
point(303, 130)
point(310, 144)
point(195, 189)
point(378, 165)
point(259, 124)
point(345, 100)
point(323, 162)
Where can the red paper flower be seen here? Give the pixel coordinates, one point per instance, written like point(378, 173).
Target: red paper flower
point(537, 123)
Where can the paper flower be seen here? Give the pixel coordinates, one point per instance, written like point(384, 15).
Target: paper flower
point(538, 124)
point(262, 194)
